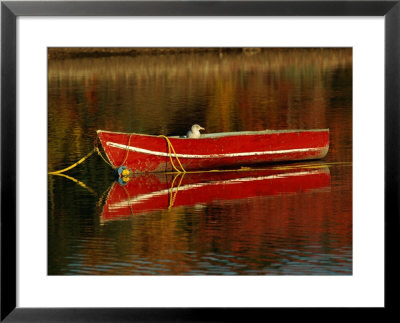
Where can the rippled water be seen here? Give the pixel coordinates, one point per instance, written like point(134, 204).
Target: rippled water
point(291, 219)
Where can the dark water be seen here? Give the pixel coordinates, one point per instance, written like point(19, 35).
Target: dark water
point(291, 219)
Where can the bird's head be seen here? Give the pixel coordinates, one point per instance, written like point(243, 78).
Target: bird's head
point(196, 127)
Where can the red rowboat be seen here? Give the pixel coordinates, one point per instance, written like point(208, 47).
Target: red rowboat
point(152, 192)
point(147, 153)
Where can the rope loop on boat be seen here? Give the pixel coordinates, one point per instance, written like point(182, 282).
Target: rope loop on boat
point(170, 150)
point(127, 151)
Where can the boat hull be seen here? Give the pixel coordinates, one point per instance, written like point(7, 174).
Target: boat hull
point(146, 153)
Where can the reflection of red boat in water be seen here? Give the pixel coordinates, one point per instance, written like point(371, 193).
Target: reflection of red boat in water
point(158, 191)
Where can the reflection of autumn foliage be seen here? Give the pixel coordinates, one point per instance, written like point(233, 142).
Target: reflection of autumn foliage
point(265, 235)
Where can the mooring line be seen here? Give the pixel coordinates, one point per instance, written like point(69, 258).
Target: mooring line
point(82, 184)
point(80, 161)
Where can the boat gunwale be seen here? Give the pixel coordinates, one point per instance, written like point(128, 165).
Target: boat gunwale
point(217, 135)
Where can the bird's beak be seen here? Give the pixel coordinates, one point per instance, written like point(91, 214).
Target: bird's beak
point(201, 128)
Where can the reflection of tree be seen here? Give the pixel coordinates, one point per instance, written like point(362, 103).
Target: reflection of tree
point(256, 234)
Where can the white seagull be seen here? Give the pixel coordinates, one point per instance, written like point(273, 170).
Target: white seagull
point(195, 131)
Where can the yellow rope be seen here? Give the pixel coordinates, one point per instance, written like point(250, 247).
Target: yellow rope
point(78, 182)
point(171, 147)
point(105, 160)
point(127, 150)
point(96, 149)
point(172, 196)
point(73, 165)
point(125, 158)
point(249, 169)
point(128, 201)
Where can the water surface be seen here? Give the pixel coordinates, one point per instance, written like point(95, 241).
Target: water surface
point(280, 220)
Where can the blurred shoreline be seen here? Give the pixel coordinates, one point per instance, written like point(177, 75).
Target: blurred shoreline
point(55, 53)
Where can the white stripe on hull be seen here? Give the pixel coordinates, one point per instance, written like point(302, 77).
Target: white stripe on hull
point(253, 153)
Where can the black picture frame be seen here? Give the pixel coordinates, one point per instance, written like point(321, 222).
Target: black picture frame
point(10, 10)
